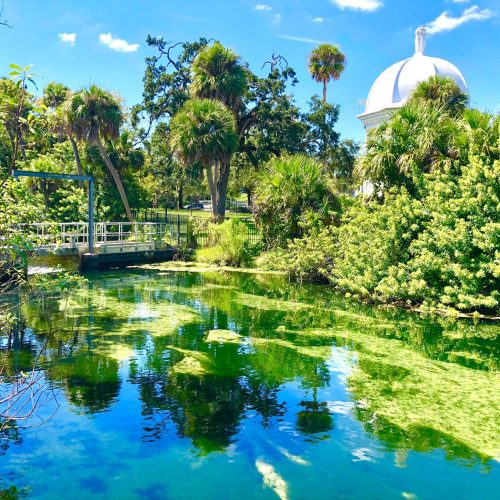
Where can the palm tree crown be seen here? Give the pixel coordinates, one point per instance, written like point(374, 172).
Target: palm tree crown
point(219, 74)
point(326, 62)
point(95, 113)
point(443, 91)
point(203, 130)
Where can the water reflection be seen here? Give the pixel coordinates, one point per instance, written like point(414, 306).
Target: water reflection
point(152, 331)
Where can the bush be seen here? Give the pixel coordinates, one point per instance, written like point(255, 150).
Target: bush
point(292, 195)
point(440, 251)
point(228, 245)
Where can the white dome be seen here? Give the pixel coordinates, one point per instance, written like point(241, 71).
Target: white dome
point(393, 87)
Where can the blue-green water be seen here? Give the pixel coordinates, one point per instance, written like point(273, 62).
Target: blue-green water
point(297, 395)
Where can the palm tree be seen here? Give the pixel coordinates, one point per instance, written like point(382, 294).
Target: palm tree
point(54, 96)
point(95, 116)
point(433, 130)
point(443, 91)
point(326, 62)
point(218, 74)
point(204, 130)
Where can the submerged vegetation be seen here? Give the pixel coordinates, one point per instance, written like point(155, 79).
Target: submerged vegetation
point(251, 363)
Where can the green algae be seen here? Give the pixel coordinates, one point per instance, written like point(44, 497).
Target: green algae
point(190, 366)
point(270, 304)
point(193, 363)
point(224, 337)
point(408, 390)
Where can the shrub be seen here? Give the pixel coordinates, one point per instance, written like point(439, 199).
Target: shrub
point(228, 245)
point(292, 194)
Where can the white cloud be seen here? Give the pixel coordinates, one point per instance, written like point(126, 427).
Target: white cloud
point(446, 21)
point(276, 18)
point(460, 1)
point(262, 6)
point(318, 19)
point(300, 39)
point(67, 38)
point(363, 5)
point(117, 44)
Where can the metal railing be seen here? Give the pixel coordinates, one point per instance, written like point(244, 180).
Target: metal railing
point(76, 234)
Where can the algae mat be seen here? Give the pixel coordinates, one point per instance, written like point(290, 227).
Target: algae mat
point(185, 384)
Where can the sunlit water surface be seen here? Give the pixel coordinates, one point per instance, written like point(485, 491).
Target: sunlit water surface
point(186, 385)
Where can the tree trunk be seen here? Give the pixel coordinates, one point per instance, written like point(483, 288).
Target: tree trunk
point(180, 197)
point(249, 197)
point(45, 193)
point(213, 193)
point(221, 189)
point(78, 162)
point(325, 85)
point(116, 177)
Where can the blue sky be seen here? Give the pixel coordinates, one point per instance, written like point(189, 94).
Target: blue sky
point(103, 41)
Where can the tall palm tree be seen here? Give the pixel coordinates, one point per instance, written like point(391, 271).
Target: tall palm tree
point(95, 116)
point(219, 74)
point(54, 96)
point(204, 130)
point(326, 62)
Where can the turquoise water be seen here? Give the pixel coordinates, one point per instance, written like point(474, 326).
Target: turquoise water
point(296, 394)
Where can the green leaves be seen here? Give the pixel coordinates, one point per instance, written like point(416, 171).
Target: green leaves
point(203, 130)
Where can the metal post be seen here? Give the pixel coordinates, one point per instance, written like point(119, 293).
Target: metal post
point(91, 216)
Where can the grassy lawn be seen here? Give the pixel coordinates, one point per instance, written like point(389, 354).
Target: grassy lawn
point(205, 214)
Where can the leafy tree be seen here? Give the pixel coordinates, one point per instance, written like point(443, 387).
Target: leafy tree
point(17, 109)
point(95, 115)
point(204, 130)
point(422, 136)
point(326, 62)
point(169, 176)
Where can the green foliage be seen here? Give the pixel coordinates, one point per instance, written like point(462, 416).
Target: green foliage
point(326, 62)
point(94, 113)
point(443, 92)
point(441, 250)
point(203, 130)
point(218, 74)
point(455, 260)
point(432, 132)
point(292, 194)
point(18, 206)
point(228, 245)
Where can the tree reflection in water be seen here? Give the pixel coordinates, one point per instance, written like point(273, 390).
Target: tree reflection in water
point(141, 328)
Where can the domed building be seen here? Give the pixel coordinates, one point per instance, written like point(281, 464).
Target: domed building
point(395, 85)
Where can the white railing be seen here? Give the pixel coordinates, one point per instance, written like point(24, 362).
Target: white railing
point(76, 234)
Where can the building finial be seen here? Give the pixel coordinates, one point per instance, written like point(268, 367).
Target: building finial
point(420, 40)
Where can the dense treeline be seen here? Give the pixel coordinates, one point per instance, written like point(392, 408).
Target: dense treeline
point(206, 126)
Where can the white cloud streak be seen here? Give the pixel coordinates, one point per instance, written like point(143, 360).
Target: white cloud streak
point(362, 5)
point(300, 39)
point(446, 21)
point(318, 19)
point(69, 38)
point(118, 44)
point(262, 6)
